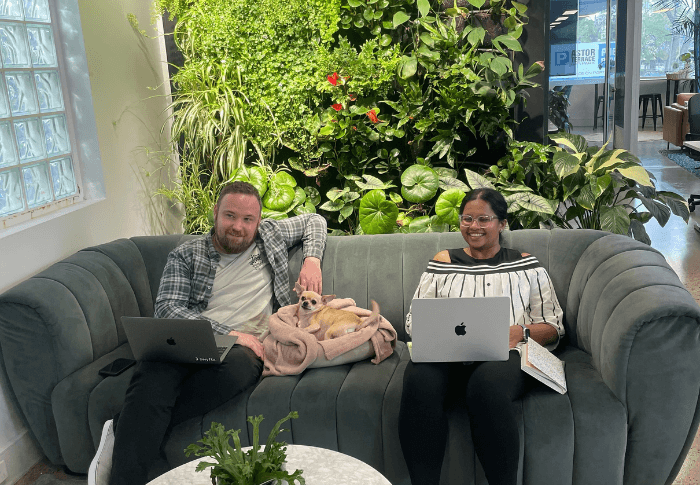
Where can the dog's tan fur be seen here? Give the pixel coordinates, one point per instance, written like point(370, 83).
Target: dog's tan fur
point(323, 321)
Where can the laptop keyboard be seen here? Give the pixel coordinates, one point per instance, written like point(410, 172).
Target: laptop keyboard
point(222, 350)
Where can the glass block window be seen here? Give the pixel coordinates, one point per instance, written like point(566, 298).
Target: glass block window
point(36, 157)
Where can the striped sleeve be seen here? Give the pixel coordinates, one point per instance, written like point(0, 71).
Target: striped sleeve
point(544, 305)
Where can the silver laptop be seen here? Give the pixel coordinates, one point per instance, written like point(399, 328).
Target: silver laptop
point(176, 340)
point(460, 329)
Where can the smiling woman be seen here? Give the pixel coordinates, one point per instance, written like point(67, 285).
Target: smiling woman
point(484, 269)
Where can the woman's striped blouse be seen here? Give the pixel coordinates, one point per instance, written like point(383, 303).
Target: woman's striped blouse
point(507, 274)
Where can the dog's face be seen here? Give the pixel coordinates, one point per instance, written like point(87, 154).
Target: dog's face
point(310, 302)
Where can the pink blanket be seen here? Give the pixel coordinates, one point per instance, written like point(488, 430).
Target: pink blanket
point(289, 349)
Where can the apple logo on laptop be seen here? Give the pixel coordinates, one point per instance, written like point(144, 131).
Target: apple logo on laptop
point(171, 341)
point(461, 329)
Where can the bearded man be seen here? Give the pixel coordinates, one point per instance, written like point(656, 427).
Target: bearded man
point(235, 277)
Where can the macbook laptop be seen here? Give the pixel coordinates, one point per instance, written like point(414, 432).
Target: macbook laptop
point(176, 340)
point(460, 329)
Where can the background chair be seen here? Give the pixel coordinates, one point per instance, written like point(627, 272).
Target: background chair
point(693, 119)
point(644, 103)
point(676, 120)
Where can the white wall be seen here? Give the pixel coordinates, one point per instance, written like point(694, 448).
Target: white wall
point(122, 65)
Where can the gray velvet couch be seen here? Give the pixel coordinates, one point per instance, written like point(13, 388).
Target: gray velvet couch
point(632, 356)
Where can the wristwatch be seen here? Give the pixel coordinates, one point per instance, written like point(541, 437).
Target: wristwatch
point(526, 333)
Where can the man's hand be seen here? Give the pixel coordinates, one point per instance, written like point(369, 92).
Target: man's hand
point(310, 275)
point(516, 335)
point(251, 342)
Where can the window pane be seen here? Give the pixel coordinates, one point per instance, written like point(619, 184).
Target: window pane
point(10, 193)
point(56, 135)
point(20, 91)
point(37, 185)
point(11, 9)
point(63, 177)
point(41, 45)
point(37, 10)
point(13, 43)
point(662, 44)
point(30, 139)
point(48, 85)
point(8, 154)
point(4, 105)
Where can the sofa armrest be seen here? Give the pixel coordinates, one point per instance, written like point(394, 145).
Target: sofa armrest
point(642, 329)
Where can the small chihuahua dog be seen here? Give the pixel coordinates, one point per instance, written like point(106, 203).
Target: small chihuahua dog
point(323, 321)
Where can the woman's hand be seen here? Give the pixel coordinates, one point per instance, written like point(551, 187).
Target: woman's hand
point(251, 342)
point(516, 335)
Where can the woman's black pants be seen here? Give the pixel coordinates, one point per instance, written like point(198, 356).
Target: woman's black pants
point(491, 389)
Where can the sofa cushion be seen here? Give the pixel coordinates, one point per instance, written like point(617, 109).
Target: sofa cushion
point(346, 408)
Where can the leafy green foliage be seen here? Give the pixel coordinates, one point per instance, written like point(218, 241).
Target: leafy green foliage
point(355, 96)
point(579, 186)
point(377, 215)
point(233, 466)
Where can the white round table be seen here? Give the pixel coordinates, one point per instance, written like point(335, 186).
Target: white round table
point(320, 467)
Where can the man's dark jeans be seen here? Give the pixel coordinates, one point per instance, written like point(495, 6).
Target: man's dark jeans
point(162, 395)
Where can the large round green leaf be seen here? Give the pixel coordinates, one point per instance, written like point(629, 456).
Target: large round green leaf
point(241, 175)
point(420, 183)
point(271, 214)
point(312, 195)
point(299, 196)
point(305, 208)
point(258, 177)
point(428, 224)
point(278, 197)
point(377, 215)
point(283, 178)
point(447, 206)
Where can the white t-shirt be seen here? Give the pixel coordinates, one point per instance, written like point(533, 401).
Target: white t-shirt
point(242, 294)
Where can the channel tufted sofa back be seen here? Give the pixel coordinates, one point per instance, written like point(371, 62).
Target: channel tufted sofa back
point(632, 351)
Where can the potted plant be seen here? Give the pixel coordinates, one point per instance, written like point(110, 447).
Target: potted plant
point(233, 466)
point(578, 186)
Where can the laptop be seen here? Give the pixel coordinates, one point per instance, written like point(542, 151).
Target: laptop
point(460, 329)
point(176, 340)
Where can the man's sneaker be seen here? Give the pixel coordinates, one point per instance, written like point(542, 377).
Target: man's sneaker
point(101, 465)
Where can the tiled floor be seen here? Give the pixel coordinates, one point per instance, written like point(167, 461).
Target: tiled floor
point(677, 241)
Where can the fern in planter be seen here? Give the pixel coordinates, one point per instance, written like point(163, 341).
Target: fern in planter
point(233, 466)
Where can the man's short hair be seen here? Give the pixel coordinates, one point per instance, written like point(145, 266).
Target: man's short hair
point(239, 187)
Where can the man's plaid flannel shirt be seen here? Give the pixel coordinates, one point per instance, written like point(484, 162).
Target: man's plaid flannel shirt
point(188, 277)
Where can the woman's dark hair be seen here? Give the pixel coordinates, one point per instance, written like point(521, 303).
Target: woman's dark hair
point(495, 200)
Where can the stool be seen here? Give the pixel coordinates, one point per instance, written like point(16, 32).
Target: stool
point(644, 101)
point(598, 104)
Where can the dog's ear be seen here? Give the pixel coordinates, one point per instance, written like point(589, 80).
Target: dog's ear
point(326, 298)
point(299, 289)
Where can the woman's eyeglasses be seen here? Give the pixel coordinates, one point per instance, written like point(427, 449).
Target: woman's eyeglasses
point(482, 221)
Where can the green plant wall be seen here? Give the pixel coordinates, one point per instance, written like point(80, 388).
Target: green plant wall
point(374, 113)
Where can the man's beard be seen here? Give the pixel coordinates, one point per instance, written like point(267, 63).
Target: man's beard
point(230, 247)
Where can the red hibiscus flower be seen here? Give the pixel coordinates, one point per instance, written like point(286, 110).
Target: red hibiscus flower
point(373, 116)
point(333, 79)
point(337, 107)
